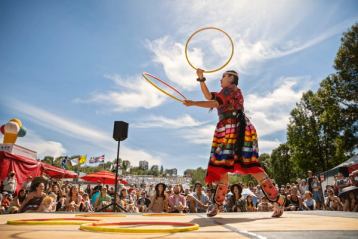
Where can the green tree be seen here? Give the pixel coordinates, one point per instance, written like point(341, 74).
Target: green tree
point(282, 165)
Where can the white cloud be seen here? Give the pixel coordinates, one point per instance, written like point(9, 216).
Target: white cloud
point(270, 113)
point(266, 146)
point(42, 146)
point(260, 32)
point(134, 93)
point(164, 122)
point(75, 130)
point(199, 135)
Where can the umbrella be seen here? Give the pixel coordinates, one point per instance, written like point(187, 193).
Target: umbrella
point(105, 177)
point(345, 191)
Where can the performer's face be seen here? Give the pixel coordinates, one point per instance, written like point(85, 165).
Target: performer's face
point(226, 80)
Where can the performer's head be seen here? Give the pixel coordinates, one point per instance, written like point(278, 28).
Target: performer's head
point(229, 78)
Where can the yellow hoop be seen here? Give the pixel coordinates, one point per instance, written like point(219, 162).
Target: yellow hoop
point(99, 227)
point(100, 215)
point(52, 221)
point(163, 214)
point(203, 29)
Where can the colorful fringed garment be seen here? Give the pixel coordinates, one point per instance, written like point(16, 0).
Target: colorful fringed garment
point(235, 146)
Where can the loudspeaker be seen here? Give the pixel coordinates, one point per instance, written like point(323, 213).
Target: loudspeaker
point(120, 130)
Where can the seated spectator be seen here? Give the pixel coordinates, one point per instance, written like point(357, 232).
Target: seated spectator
point(264, 205)
point(131, 207)
point(86, 202)
point(123, 199)
point(143, 202)
point(351, 203)
point(332, 202)
point(294, 201)
point(61, 203)
point(198, 201)
point(250, 206)
point(34, 197)
point(235, 202)
point(303, 187)
point(159, 202)
point(74, 200)
point(103, 199)
point(309, 203)
point(177, 202)
point(6, 201)
point(354, 178)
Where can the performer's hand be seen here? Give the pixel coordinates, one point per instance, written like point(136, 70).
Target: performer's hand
point(200, 73)
point(188, 102)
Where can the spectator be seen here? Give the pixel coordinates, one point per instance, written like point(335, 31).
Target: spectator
point(88, 190)
point(264, 205)
point(235, 202)
point(351, 203)
point(34, 197)
point(309, 203)
point(159, 202)
point(294, 201)
point(6, 201)
point(74, 200)
point(303, 186)
point(103, 200)
point(143, 202)
point(332, 202)
point(10, 183)
point(86, 202)
point(341, 182)
point(198, 201)
point(177, 202)
point(316, 191)
point(27, 184)
point(309, 180)
point(61, 203)
point(123, 198)
point(250, 206)
point(17, 201)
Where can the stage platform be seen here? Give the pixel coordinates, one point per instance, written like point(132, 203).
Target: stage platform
point(307, 225)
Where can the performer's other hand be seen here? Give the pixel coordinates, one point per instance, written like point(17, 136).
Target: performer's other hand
point(188, 102)
point(200, 73)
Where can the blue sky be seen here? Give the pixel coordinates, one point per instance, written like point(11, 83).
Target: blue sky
point(68, 69)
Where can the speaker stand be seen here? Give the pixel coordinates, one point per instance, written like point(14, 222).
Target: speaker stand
point(115, 205)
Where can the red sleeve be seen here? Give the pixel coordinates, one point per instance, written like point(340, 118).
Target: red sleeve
point(217, 96)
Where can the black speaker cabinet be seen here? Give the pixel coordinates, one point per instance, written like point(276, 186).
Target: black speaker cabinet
point(120, 130)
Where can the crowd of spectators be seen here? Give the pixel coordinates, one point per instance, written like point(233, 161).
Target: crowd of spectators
point(41, 194)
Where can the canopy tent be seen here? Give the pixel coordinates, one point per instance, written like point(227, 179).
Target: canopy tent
point(351, 164)
point(104, 177)
point(56, 172)
point(25, 167)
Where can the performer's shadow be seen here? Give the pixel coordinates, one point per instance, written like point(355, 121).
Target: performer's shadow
point(215, 221)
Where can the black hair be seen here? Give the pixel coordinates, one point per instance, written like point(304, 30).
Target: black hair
point(235, 75)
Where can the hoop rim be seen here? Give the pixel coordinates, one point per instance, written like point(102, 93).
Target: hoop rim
point(145, 74)
point(209, 28)
point(52, 221)
point(99, 227)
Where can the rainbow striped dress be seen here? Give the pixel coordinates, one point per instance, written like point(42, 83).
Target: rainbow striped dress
point(235, 144)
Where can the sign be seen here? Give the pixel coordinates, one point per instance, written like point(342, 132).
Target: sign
point(18, 150)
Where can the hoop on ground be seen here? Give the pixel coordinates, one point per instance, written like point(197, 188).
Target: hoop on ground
point(151, 80)
point(203, 29)
point(100, 215)
point(178, 227)
point(163, 214)
point(52, 221)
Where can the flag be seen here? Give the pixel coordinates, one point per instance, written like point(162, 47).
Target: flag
point(83, 159)
point(74, 161)
point(99, 159)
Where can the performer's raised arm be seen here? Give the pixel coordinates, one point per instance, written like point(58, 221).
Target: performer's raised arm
point(204, 88)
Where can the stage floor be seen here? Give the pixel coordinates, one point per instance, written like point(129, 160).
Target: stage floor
point(310, 225)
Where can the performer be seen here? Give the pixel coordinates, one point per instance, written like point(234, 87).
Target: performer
point(235, 146)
